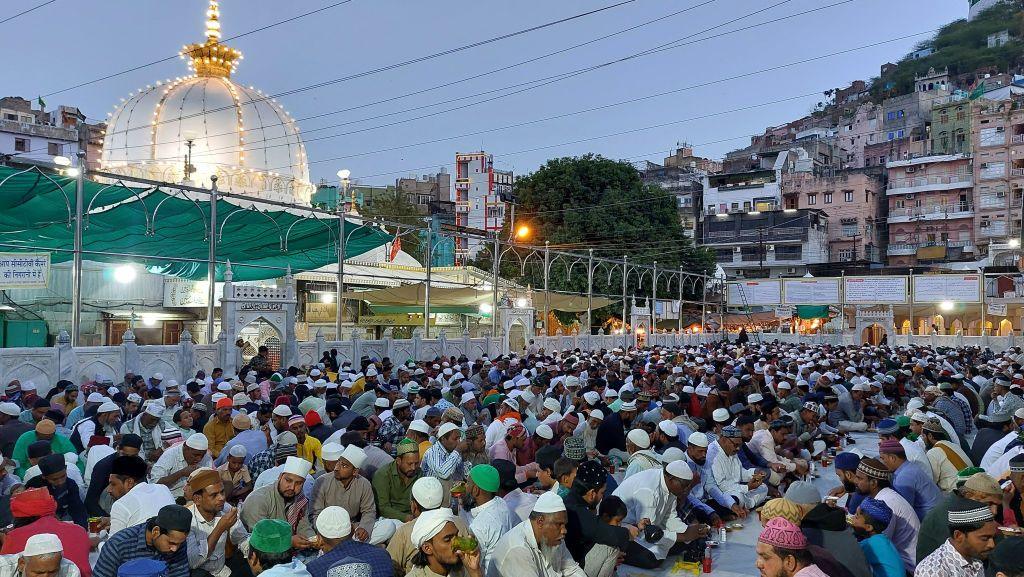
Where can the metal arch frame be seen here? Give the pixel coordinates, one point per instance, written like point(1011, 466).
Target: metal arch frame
point(251, 208)
point(152, 221)
point(67, 199)
point(88, 209)
point(526, 259)
point(330, 231)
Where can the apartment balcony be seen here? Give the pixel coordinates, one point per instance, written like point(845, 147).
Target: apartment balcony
point(931, 212)
point(748, 236)
point(740, 260)
point(928, 184)
point(1017, 139)
point(1015, 171)
point(461, 184)
point(908, 249)
point(992, 201)
point(462, 207)
point(995, 228)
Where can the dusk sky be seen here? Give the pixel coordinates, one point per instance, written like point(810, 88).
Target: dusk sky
point(69, 42)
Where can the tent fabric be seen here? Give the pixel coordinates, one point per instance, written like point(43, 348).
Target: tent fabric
point(808, 312)
point(150, 225)
point(466, 297)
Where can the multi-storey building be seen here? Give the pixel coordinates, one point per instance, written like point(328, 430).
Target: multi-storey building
point(483, 196)
point(931, 209)
point(997, 136)
point(682, 176)
point(769, 243)
point(850, 200)
point(37, 136)
point(858, 131)
point(755, 190)
point(422, 192)
point(951, 125)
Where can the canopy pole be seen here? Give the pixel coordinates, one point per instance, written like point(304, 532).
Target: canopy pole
point(426, 290)
point(590, 290)
point(910, 299)
point(211, 264)
point(494, 285)
point(340, 282)
point(654, 299)
point(625, 273)
point(76, 272)
point(679, 320)
point(703, 307)
point(547, 265)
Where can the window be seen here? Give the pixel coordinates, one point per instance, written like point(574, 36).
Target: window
point(961, 115)
point(845, 254)
point(944, 117)
point(812, 199)
point(849, 228)
point(9, 116)
point(891, 115)
point(890, 136)
point(847, 196)
point(21, 145)
point(53, 148)
point(899, 133)
point(899, 114)
point(828, 198)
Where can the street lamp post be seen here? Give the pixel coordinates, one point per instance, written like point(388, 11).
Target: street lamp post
point(654, 299)
point(679, 323)
point(494, 284)
point(211, 272)
point(76, 272)
point(590, 291)
point(625, 273)
point(343, 176)
point(547, 264)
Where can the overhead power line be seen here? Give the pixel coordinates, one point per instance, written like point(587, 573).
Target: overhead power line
point(175, 55)
point(408, 62)
point(24, 12)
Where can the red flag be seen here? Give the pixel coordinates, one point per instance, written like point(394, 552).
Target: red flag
point(395, 247)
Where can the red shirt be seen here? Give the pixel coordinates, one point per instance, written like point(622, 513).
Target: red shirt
point(74, 538)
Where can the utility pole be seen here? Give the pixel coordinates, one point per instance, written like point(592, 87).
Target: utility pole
point(760, 251)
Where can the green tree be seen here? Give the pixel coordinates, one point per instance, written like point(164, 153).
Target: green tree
point(397, 208)
point(577, 203)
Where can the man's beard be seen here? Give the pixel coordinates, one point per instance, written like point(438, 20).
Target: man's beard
point(453, 566)
point(700, 462)
point(547, 551)
point(850, 486)
point(468, 501)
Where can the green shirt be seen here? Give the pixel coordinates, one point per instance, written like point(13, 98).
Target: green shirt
point(392, 494)
point(59, 445)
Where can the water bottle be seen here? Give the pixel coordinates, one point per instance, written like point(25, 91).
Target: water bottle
point(722, 532)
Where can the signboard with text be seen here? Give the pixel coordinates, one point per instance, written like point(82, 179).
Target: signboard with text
point(875, 289)
point(957, 288)
point(754, 293)
point(810, 291)
point(24, 270)
point(181, 293)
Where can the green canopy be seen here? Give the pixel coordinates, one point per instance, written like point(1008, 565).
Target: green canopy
point(149, 226)
point(807, 312)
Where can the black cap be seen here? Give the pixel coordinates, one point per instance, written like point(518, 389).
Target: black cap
point(174, 518)
point(1007, 557)
point(124, 466)
point(131, 440)
point(506, 473)
point(51, 464)
point(39, 449)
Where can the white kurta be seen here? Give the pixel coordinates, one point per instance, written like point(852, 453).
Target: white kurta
point(138, 505)
point(518, 554)
point(199, 555)
point(1001, 466)
point(916, 452)
point(172, 461)
point(647, 497)
point(732, 479)
point(996, 450)
point(490, 521)
point(521, 503)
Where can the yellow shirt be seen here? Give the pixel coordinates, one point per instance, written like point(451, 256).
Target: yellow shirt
point(310, 450)
point(218, 434)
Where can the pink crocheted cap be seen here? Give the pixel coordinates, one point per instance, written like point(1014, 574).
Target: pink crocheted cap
point(782, 533)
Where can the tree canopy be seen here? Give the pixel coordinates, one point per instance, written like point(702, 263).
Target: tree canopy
point(578, 203)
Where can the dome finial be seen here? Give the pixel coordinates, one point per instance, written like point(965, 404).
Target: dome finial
point(212, 58)
point(213, 22)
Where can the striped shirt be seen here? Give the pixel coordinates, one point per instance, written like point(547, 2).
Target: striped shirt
point(130, 543)
point(439, 462)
